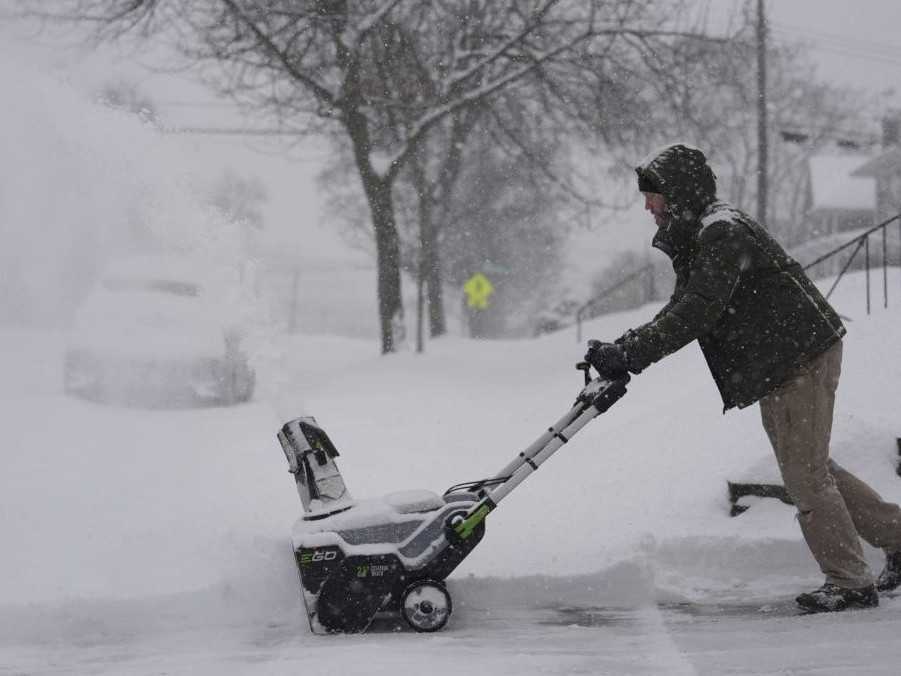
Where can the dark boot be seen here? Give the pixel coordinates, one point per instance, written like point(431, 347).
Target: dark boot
point(831, 598)
point(890, 577)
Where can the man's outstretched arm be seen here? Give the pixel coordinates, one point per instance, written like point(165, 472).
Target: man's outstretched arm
point(712, 280)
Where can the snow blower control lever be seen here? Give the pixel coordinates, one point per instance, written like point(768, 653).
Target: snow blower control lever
point(596, 397)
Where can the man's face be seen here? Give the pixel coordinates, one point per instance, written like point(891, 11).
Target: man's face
point(656, 204)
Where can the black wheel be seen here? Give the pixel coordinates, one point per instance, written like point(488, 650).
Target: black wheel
point(426, 605)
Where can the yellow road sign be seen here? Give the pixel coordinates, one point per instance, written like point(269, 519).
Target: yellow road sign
point(478, 289)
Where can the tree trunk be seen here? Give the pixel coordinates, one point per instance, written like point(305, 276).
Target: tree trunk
point(425, 219)
point(424, 213)
point(433, 277)
point(420, 311)
point(437, 321)
point(387, 246)
point(387, 240)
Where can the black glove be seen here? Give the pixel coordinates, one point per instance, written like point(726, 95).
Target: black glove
point(608, 359)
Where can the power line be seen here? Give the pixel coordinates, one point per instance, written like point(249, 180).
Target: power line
point(230, 131)
point(859, 55)
point(849, 47)
point(849, 40)
point(852, 53)
point(196, 104)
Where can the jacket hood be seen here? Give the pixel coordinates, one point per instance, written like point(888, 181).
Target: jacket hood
point(681, 174)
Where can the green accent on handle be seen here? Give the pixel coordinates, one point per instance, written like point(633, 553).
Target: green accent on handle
point(465, 528)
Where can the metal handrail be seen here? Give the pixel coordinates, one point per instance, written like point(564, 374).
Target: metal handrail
point(863, 242)
point(844, 246)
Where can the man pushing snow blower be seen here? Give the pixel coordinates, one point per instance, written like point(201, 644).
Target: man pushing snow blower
point(768, 336)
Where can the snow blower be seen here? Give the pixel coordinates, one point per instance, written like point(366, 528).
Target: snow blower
point(358, 559)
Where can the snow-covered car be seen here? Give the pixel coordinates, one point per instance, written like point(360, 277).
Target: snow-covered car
point(160, 331)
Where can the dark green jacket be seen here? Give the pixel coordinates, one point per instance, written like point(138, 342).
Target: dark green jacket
point(755, 313)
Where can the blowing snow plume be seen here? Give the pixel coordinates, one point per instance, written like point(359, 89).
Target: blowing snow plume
point(81, 183)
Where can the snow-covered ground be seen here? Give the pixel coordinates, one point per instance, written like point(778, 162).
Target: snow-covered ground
point(157, 542)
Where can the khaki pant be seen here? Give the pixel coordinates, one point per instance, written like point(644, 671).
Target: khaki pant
point(834, 506)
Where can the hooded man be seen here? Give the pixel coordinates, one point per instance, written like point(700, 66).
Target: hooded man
point(768, 336)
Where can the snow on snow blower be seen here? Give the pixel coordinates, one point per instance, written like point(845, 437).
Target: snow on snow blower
point(387, 556)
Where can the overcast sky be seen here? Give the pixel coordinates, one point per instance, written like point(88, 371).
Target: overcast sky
point(854, 42)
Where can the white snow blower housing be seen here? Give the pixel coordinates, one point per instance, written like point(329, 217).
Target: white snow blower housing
point(387, 556)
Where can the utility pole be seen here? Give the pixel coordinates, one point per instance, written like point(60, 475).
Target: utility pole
point(761, 115)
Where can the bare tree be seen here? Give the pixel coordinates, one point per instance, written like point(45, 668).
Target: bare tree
point(315, 66)
point(584, 94)
point(709, 93)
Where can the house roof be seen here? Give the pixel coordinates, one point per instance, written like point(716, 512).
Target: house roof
point(886, 163)
point(834, 185)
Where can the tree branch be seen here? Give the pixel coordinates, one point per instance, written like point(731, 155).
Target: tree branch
point(319, 91)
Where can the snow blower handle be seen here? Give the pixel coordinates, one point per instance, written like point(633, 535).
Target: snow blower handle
point(595, 398)
point(608, 359)
point(585, 367)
